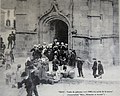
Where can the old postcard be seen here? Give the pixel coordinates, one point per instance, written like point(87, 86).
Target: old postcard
point(59, 48)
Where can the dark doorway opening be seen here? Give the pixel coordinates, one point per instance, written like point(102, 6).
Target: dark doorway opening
point(60, 29)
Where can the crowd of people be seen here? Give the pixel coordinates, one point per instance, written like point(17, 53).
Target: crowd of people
point(37, 71)
point(56, 51)
point(61, 58)
point(37, 67)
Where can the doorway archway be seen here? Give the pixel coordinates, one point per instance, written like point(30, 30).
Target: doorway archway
point(58, 29)
point(54, 24)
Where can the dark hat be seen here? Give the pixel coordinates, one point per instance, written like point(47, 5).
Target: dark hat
point(19, 66)
point(73, 50)
point(28, 63)
point(23, 74)
point(94, 58)
point(99, 61)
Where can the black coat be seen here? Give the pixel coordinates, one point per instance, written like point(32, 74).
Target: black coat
point(55, 63)
point(100, 69)
point(94, 66)
point(79, 64)
point(32, 80)
point(35, 79)
point(27, 82)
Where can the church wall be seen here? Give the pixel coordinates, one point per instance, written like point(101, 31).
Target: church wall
point(8, 4)
point(92, 19)
point(80, 20)
point(45, 5)
point(26, 40)
point(27, 15)
point(81, 45)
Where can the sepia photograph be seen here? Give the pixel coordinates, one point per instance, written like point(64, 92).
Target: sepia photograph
point(59, 48)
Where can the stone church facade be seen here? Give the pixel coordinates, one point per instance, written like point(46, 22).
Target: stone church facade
point(88, 26)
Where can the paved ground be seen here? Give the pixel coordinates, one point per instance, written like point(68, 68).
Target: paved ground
point(70, 87)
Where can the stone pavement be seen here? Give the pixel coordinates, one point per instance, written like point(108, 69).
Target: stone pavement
point(111, 74)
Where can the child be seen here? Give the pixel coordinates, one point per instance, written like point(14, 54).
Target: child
point(80, 66)
point(64, 64)
point(55, 63)
point(100, 69)
point(8, 76)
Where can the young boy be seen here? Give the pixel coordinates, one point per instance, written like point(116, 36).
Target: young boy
point(79, 66)
point(100, 70)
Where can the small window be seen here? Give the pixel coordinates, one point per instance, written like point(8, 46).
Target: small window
point(7, 22)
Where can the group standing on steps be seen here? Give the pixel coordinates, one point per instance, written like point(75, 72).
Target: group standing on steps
point(37, 67)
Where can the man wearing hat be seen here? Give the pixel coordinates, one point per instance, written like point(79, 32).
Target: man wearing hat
point(28, 83)
point(79, 66)
point(35, 52)
point(94, 67)
point(30, 80)
point(34, 78)
point(100, 70)
point(9, 41)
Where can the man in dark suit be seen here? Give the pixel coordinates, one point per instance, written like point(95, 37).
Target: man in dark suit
point(9, 41)
point(30, 81)
point(13, 37)
point(94, 67)
point(27, 82)
point(100, 70)
point(79, 66)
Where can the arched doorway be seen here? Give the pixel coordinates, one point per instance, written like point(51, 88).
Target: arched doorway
point(59, 30)
point(54, 24)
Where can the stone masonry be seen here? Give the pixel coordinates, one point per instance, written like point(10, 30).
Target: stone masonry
point(96, 22)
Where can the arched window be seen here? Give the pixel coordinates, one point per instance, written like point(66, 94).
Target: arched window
point(7, 22)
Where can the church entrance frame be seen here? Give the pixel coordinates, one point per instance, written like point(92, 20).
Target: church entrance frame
point(49, 16)
point(58, 30)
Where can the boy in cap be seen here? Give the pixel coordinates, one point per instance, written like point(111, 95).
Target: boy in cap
point(79, 66)
point(30, 81)
point(94, 68)
point(27, 82)
point(100, 69)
